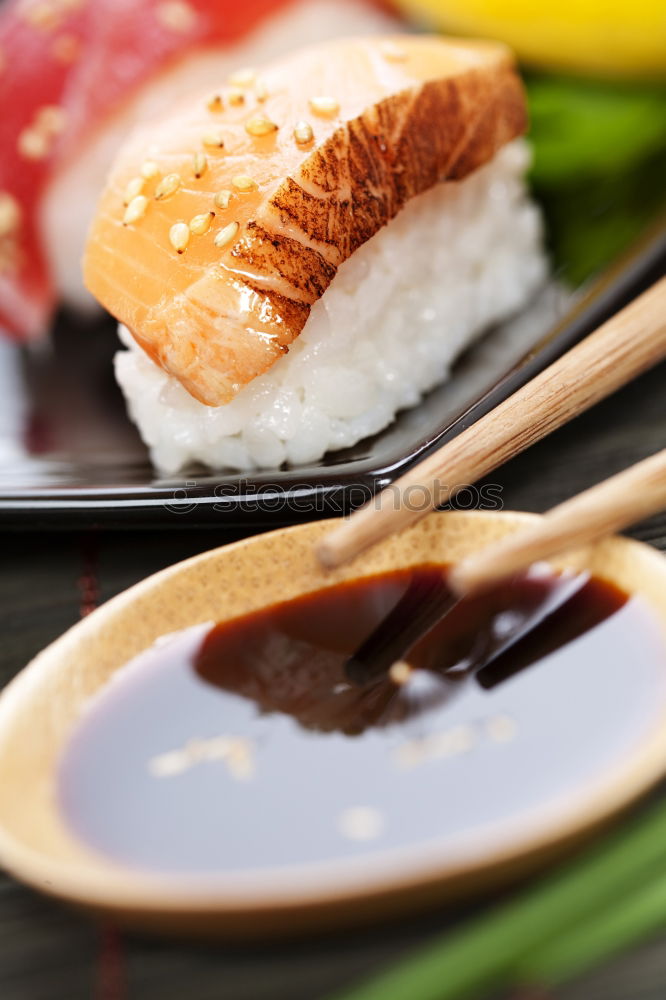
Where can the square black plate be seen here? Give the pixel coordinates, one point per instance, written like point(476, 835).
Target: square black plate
point(70, 457)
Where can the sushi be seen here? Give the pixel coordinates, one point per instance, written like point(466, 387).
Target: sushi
point(299, 254)
point(76, 76)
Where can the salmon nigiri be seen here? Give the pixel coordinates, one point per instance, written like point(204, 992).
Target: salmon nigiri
point(239, 226)
point(76, 75)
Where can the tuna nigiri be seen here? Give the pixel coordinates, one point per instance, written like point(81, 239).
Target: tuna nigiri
point(75, 76)
point(302, 252)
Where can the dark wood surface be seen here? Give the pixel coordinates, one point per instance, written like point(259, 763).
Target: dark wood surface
point(49, 953)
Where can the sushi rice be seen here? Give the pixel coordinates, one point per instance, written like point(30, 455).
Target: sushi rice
point(457, 259)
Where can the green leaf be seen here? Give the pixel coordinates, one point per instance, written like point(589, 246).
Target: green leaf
point(584, 129)
point(483, 955)
point(599, 166)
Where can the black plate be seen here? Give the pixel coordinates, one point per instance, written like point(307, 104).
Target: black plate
point(70, 457)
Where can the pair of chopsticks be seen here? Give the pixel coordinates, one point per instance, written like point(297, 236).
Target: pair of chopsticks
point(616, 894)
point(593, 514)
point(622, 348)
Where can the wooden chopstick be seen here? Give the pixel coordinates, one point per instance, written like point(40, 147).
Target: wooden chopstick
point(609, 506)
point(625, 346)
point(624, 499)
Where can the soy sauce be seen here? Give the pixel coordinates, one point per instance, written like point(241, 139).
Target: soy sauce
point(245, 745)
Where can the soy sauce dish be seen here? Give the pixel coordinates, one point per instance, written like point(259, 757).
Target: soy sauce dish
point(191, 756)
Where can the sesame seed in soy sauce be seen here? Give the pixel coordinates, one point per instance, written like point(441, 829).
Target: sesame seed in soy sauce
point(243, 745)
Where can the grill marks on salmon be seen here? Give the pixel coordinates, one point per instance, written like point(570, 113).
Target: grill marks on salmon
point(216, 319)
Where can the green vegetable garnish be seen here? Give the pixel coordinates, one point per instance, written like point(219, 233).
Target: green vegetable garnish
point(503, 946)
point(599, 166)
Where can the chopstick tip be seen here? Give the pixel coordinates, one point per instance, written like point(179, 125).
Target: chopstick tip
point(456, 580)
point(327, 553)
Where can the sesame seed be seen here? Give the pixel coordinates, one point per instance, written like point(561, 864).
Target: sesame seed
point(239, 759)
point(10, 213)
point(259, 125)
point(224, 236)
point(177, 15)
point(199, 164)
point(179, 236)
point(33, 144)
point(222, 199)
point(236, 97)
point(44, 15)
point(244, 183)
point(361, 823)
point(213, 139)
point(166, 765)
point(242, 78)
point(167, 186)
point(200, 224)
point(149, 169)
point(135, 210)
point(303, 133)
point(393, 52)
point(501, 729)
point(458, 740)
point(134, 188)
point(235, 752)
point(438, 745)
point(324, 105)
point(400, 672)
point(215, 103)
point(51, 119)
point(261, 91)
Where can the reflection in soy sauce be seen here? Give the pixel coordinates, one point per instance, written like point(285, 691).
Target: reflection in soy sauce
point(294, 658)
point(244, 745)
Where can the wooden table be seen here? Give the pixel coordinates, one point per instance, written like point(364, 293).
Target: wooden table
point(48, 953)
